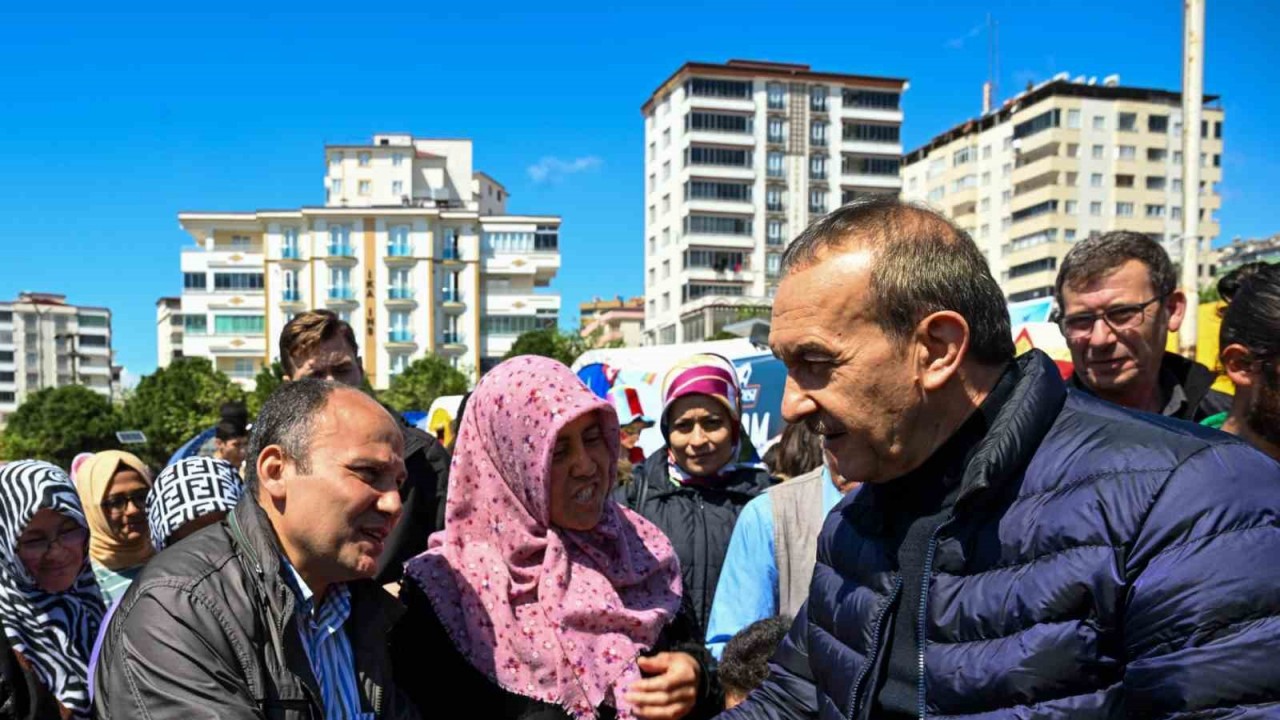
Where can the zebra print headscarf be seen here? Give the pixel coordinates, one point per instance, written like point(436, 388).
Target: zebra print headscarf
point(54, 631)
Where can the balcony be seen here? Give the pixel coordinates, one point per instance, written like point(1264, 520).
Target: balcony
point(453, 341)
point(341, 295)
point(453, 299)
point(400, 337)
point(341, 253)
point(451, 255)
point(400, 295)
point(290, 253)
point(290, 295)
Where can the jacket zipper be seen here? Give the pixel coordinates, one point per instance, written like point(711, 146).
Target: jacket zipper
point(874, 648)
point(706, 543)
point(925, 575)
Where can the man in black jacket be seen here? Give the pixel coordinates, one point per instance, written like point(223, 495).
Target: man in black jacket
point(1118, 300)
point(273, 613)
point(319, 344)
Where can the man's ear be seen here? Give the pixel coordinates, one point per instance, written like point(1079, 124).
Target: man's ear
point(272, 472)
point(942, 342)
point(1237, 361)
point(1176, 304)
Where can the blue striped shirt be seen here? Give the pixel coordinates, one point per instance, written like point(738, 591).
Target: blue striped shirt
point(328, 647)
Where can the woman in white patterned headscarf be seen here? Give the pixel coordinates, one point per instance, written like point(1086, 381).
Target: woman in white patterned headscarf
point(49, 601)
point(190, 494)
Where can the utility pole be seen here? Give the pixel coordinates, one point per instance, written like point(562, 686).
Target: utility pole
point(1192, 107)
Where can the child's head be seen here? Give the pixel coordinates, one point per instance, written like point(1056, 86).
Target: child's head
point(745, 663)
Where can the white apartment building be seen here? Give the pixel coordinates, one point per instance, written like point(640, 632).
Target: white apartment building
point(739, 158)
point(168, 330)
point(47, 342)
point(412, 247)
point(1065, 160)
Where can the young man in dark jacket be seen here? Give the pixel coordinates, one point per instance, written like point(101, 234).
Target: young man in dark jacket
point(273, 612)
point(321, 345)
point(1118, 300)
point(1017, 550)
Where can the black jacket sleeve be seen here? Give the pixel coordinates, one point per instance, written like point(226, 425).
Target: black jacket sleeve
point(22, 695)
point(423, 499)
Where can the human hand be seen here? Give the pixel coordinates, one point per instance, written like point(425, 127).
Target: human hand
point(670, 688)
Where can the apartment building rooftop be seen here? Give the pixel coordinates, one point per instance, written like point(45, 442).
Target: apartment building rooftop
point(1060, 85)
point(779, 70)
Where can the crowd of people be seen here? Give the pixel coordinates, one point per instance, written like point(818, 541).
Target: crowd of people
point(942, 529)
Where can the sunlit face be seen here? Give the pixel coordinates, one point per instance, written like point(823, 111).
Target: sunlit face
point(701, 434)
point(629, 434)
point(332, 359)
point(231, 450)
point(1112, 362)
point(580, 478)
point(52, 548)
point(338, 510)
point(125, 505)
point(846, 377)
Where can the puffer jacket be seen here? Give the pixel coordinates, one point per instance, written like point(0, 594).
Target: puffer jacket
point(208, 630)
point(1099, 563)
point(698, 520)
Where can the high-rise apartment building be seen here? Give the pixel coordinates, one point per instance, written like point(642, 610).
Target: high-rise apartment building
point(606, 322)
point(739, 158)
point(412, 247)
point(168, 330)
point(47, 342)
point(1065, 160)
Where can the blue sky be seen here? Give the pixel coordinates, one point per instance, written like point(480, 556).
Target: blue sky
point(113, 121)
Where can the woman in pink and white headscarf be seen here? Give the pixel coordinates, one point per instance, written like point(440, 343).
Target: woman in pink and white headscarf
point(542, 598)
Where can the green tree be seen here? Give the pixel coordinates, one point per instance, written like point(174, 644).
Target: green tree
point(419, 384)
point(55, 424)
point(268, 379)
point(175, 403)
point(549, 342)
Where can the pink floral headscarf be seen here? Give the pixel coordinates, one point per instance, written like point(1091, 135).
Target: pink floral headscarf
point(552, 614)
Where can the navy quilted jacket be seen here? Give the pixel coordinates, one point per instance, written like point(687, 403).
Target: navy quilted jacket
point(1100, 563)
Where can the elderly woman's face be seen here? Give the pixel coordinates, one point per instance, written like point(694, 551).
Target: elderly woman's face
point(701, 435)
point(580, 481)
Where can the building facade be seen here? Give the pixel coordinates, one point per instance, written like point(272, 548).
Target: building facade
point(412, 247)
point(739, 158)
point(1239, 252)
point(47, 342)
point(606, 322)
point(168, 330)
point(1065, 160)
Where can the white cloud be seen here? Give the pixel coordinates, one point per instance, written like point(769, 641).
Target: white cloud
point(553, 169)
point(128, 380)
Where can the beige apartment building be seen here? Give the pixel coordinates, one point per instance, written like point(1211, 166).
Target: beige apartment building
point(1065, 160)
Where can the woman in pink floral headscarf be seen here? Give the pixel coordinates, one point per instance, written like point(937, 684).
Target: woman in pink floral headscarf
point(542, 598)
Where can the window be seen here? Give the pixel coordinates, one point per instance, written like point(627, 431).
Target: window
point(774, 233)
point(706, 87)
point(509, 324)
point(985, 204)
point(1204, 128)
point(653, 151)
point(870, 99)
point(97, 321)
point(712, 122)
point(1008, 143)
point(1217, 160)
point(1095, 208)
point(1098, 151)
point(653, 182)
point(335, 186)
point(1158, 123)
point(1073, 119)
point(1071, 207)
point(1073, 150)
point(653, 307)
point(717, 225)
point(1029, 241)
point(870, 165)
point(653, 245)
point(401, 278)
point(1095, 180)
point(871, 132)
point(397, 159)
point(194, 281)
point(666, 269)
point(363, 158)
point(666, 203)
point(1043, 121)
point(1157, 154)
point(1069, 235)
point(1099, 122)
point(195, 324)
point(774, 165)
point(653, 214)
point(964, 155)
point(1155, 211)
point(818, 98)
point(818, 167)
point(666, 236)
point(364, 187)
point(1124, 181)
point(817, 200)
point(985, 230)
point(1175, 212)
point(777, 95)
point(732, 157)
point(1217, 130)
point(968, 181)
point(937, 193)
point(695, 291)
point(776, 134)
point(1176, 185)
point(717, 190)
point(237, 281)
point(1127, 122)
point(986, 179)
point(1033, 267)
point(1126, 152)
point(772, 264)
point(399, 362)
point(339, 279)
point(241, 242)
point(1073, 179)
point(652, 277)
point(397, 187)
point(1124, 209)
point(1006, 170)
point(238, 324)
point(666, 301)
point(666, 170)
point(986, 152)
point(336, 158)
point(1005, 197)
point(718, 260)
point(666, 135)
point(1155, 182)
point(818, 133)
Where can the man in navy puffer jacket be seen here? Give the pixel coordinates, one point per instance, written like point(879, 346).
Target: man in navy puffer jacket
point(1018, 550)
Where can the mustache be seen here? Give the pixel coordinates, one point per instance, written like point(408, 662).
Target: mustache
point(823, 426)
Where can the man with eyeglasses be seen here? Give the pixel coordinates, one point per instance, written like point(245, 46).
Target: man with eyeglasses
point(1117, 303)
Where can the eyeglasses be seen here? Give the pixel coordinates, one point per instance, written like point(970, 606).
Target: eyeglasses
point(1120, 317)
point(36, 549)
point(117, 503)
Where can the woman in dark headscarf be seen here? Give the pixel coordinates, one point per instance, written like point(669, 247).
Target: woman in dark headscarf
point(50, 606)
